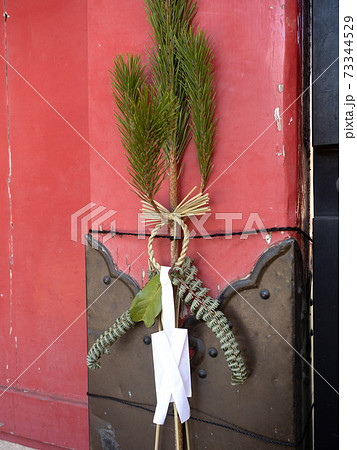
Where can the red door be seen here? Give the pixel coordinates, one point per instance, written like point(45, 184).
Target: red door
point(62, 159)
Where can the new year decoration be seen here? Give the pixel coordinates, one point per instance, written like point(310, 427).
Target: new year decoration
point(159, 109)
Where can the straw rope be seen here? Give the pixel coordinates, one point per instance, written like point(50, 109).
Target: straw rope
point(195, 206)
point(185, 242)
point(156, 214)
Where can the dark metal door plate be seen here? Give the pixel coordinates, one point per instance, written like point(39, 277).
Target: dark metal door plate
point(269, 316)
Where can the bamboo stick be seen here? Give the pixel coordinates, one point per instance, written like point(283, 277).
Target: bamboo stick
point(174, 257)
point(157, 436)
point(188, 447)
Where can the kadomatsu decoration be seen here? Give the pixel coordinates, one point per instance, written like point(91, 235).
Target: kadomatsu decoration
point(157, 116)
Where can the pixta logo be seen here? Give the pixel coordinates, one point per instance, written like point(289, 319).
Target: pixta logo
point(98, 218)
point(95, 216)
point(226, 222)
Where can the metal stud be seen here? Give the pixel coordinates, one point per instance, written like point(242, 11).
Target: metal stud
point(213, 352)
point(147, 340)
point(202, 373)
point(265, 294)
point(106, 280)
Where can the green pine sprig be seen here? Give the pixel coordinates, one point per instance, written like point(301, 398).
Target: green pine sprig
point(145, 120)
point(157, 120)
point(196, 61)
point(169, 20)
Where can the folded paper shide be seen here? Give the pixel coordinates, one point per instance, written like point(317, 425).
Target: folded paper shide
point(171, 358)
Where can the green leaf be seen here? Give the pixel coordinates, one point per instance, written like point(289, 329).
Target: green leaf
point(147, 303)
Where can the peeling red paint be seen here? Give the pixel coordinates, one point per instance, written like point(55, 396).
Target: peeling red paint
point(65, 49)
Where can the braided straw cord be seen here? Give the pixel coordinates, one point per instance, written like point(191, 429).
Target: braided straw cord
point(124, 322)
point(100, 346)
point(191, 291)
point(185, 242)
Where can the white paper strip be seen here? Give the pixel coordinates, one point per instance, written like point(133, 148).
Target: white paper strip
point(171, 359)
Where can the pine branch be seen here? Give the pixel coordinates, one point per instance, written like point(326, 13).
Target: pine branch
point(128, 78)
point(145, 118)
point(196, 58)
point(169, 20)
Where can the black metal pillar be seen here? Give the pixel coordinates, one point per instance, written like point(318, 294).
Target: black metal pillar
point(325, 143)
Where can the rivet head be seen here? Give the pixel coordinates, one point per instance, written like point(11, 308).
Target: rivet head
point(230, 324)
point(147, 340)
point(202, 373)
point(106, 280)
point(212, 352)
point(265, 294)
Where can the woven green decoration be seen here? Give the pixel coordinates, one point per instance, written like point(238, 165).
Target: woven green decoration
point(191, 291)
